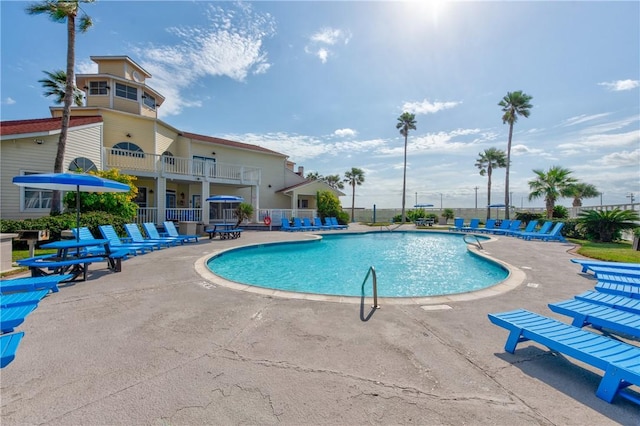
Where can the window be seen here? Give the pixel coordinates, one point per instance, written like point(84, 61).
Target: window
point(149, 100)
point(98, 87)
point(167, 157)
point(82, 164)
point(127, 149)
point(34, 198)
point(128, 92)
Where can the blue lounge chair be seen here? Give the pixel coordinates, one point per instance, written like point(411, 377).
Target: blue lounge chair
point(513, 227)
point(297, 223)
point(109, 233)
point(136, 236)
point(13, 316)
point(553, 235)
point(458, 223)
point(529, 228)
point(622, 272)
point(152, 232)
point(306, 222)
point(8, 347)
point(623, 279)
point(613, 301)
point(598, 316)
point(286, 226)
point(543, 230)
point(619, 360)
point(585, 263)
point(626, 290)
point(173, 232)
point(22, 298)
point(473, 225)
point(48, 282)
point(504, 226)
point(317, 222)
point(489, 226)
point(335, 224)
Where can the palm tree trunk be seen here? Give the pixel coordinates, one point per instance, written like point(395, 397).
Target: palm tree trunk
point(488, 193)
point(353, 200)
point(404, 180)
point(66, 110)
point(506, 179)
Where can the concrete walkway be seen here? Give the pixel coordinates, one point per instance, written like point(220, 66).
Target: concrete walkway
point(163, 343)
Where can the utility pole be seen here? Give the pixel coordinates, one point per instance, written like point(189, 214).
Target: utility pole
point(476, 188)
point(631, 196)
point(441, 201)
point(416, 198)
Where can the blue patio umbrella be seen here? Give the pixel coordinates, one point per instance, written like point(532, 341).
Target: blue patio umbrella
point(79, 182)
point(225, 199)
point(423, 205)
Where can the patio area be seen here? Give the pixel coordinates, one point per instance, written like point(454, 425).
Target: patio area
point(164, 343)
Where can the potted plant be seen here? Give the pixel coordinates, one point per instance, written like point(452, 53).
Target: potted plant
point(446, 215)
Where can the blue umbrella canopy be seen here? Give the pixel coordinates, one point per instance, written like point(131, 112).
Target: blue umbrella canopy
point(423, 205)
point(79, 182)
point(225, 199)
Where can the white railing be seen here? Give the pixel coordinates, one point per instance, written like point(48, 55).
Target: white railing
point(183, 215)
point(276, 215)
point(162, 165)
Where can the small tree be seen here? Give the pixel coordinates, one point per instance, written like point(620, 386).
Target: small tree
point(328, 204)
point(607, 226)
point(448, 214)
point(117, 203)
point(244, 211)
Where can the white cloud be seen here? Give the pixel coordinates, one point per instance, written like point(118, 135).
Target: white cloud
point(621, 159)
point(321, 41)
point(579, 119)
point(620, 85)
point(345, 133)
point(231, 45)
point(8, 101)
point(427, 107)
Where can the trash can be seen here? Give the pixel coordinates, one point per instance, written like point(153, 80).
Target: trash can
point(200, 228)
point(188, 228)
point(5, 251)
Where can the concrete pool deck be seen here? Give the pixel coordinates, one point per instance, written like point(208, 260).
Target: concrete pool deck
point(162, 344)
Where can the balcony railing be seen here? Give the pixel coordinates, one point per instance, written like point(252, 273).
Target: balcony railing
point(125, 160)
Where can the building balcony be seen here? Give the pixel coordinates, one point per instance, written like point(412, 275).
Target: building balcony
point(153, 165)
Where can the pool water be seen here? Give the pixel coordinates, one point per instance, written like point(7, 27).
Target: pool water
point(407, 264)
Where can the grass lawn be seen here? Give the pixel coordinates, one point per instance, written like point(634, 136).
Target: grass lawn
point(612, 252)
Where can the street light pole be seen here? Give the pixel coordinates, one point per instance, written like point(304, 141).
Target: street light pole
point(476, 188)
point(441, 201)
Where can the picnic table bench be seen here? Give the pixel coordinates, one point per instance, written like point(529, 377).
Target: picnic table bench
point(75, 265)
point(224, 231)
point(424, 221)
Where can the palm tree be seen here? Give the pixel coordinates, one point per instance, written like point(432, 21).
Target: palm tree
point(313, 176)
point(64, 11)
point(354, 177)
point(244, 211)
point(406, 122)
point(513, 105)
point(55, 85)
point(551, 185)
point(580, 191)
point(334, 181)
point(487, 161)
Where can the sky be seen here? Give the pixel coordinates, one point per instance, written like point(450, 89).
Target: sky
point(325, 82)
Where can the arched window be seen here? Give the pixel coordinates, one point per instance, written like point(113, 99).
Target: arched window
point(82, 164)
point(167, 157)
point(128, 149)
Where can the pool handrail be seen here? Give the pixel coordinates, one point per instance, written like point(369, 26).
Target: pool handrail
point(372, 271)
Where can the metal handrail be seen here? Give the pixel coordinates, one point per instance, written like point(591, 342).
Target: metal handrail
point(476, 243)
point(371, 271)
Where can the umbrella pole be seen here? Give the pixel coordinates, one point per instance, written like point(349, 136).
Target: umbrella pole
point(78, 215)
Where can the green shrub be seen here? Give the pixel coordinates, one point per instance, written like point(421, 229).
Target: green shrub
point(572, 229)
point(527, 217)
point(560, 212)
point(607, 226)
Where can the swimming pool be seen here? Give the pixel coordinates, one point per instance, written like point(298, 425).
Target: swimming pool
point(408, 264)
